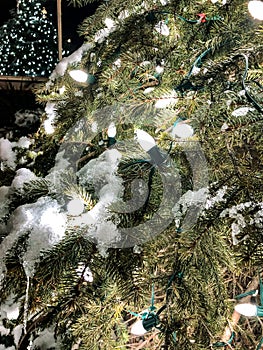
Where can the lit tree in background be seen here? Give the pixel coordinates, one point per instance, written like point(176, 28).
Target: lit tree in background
point(28, 43)
point(134, 218)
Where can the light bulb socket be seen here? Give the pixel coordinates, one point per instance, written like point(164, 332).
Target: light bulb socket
point(157, 158)
point(260, 311)
point(91, 79)
point(82, 77)
point(151, 321)
point(111, 141)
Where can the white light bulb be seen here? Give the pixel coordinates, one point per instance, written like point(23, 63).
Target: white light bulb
point(79, 75)
point(182, 130)
point(75, 207)
point(145, 140)
point(256, 9)
point(112, 130)
point(62, 90)
point(246, 309)
point(137, 328)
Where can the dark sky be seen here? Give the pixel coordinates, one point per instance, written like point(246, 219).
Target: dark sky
point(71, 17)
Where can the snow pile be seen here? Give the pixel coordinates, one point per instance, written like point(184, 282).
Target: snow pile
point(46, 340)
point(193, 198)
point(84, 272)
point(200, 199)
point(51, 114)
point(101, 174)
point(240, 213)
point(23, 175)
point(2, 347)
point(24, 142)
point(17, 332)
point(45, 224)
point(216, 198)
point(3, 330)
point(102, 34)
point(190, 199)
point(27, 118)
point(4, 201)
point(8, 151)
point(258, 218)
point(10, 309)
point(7, 156)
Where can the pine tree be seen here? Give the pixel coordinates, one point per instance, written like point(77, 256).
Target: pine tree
point(100, 230)
point(28, 41)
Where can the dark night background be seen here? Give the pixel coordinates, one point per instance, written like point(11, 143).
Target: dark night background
point(71, 17)
point(12, 100)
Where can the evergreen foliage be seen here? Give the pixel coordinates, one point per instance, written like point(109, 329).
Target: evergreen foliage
point(153, 62)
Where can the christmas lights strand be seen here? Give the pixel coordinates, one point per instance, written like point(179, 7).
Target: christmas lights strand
point(186, 84)
point(228, 332)
point(222, 343)
point(150, 318)
point(202, 19)
point(248, 95)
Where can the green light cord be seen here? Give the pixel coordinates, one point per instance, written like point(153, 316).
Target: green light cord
point(261, 291)
point(259, 344)
point(186, 84)
point(174, 337)
point(172, 278)
point(222, 344)
point(152, 307)
point(187, 20)
point(134, 313)
point(243, 295)
point(248, 95)
point(207, 19)
point(198, 62)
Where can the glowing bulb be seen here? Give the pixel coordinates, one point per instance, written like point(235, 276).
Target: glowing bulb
point(62, 90)
point(137, 328)
point(246, 309)
point(256, 9)
point(82, 77)
point(182, 130)
point(79, 75)
point(75, 207)
point(145, 140)
point(112, 130)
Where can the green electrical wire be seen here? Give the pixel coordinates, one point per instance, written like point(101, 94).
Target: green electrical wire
point(152, 307)
point(198, 62)
point(243, 295)
point(248, 95)
point(207, 19)
point(222, 344)
point(259, 344)
point(187, 20)
point(186, 84)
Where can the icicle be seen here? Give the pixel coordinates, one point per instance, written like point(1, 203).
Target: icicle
point(26, 303)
